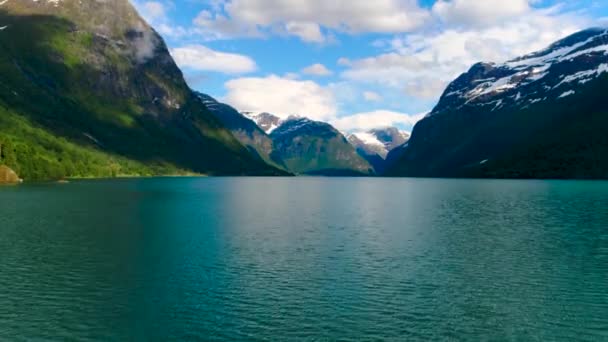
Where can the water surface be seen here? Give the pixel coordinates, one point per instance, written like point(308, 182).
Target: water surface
point(304, 259)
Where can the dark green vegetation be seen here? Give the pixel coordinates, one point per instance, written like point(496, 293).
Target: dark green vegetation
point(88, 89)
point(553, 126)
point(312, 147)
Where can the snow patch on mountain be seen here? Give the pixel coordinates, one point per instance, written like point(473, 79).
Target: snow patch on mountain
point(572, 61)
point(584, 76)
point(292, 124)
point(379, 141)
point(567, 93)
point(266, 121)
point(535, 67)
point(368, 138)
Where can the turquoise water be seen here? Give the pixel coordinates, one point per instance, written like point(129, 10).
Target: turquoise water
point(304, 259)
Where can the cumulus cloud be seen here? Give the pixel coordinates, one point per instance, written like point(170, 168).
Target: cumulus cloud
point(201, 58)
point(281, 96)
point(156, 13)
point(376, 119)
point(317, 70)
point(152, 10)
point(371, 96)
point(422, 64)
point(343, 61)
point(479, 13)
point(307, 31)
point(305, 19)
point(213, 25)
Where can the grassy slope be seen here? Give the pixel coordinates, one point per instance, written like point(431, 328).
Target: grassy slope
point(36, 154)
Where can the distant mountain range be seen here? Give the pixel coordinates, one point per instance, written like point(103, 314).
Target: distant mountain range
point(376, 144)
point(313, 147)
point(296, 144)
point(305, 146)
point(543, 115)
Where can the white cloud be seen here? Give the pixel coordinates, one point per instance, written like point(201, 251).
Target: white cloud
point(156, 13)
point(201, 58)
point(375, 119)
point(291, 75)
point(479, 13)
point(281, 96)
point(343, 61)
point(305, 19)
point(371, 96)
point(153, 10)
point(213, 26)
point(422, 64)
point(307, 31)
point(317, 70)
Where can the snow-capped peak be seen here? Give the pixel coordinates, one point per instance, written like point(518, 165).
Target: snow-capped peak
point(367, 138)
point(572, 61)
point(534, 67)
point(266, 121)
point(379, 141)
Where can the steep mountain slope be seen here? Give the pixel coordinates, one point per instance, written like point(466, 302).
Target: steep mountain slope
point(375, 145)
point(312, 147)
point(245, 130)
point(543, 115)
point(89, 89)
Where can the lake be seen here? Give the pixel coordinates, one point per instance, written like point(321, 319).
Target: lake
point(232, 259)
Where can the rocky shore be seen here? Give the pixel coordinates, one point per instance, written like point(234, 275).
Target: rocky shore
point(8, 176)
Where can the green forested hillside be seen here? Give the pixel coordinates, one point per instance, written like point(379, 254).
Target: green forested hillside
point(88, 89)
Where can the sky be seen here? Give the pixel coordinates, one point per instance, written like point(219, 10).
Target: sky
point(358, 64)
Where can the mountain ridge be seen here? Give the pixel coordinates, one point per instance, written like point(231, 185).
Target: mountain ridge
point(537, 116)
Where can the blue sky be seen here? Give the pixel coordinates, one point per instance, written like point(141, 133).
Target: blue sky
point(355, 63)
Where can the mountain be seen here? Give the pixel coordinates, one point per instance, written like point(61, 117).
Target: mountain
point(89, 89)
point(313, 147)
point(266, 121)
point(375, 145)
point(543, 115)
point(244, 130)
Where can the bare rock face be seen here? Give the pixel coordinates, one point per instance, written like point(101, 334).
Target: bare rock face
point(8, 176)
